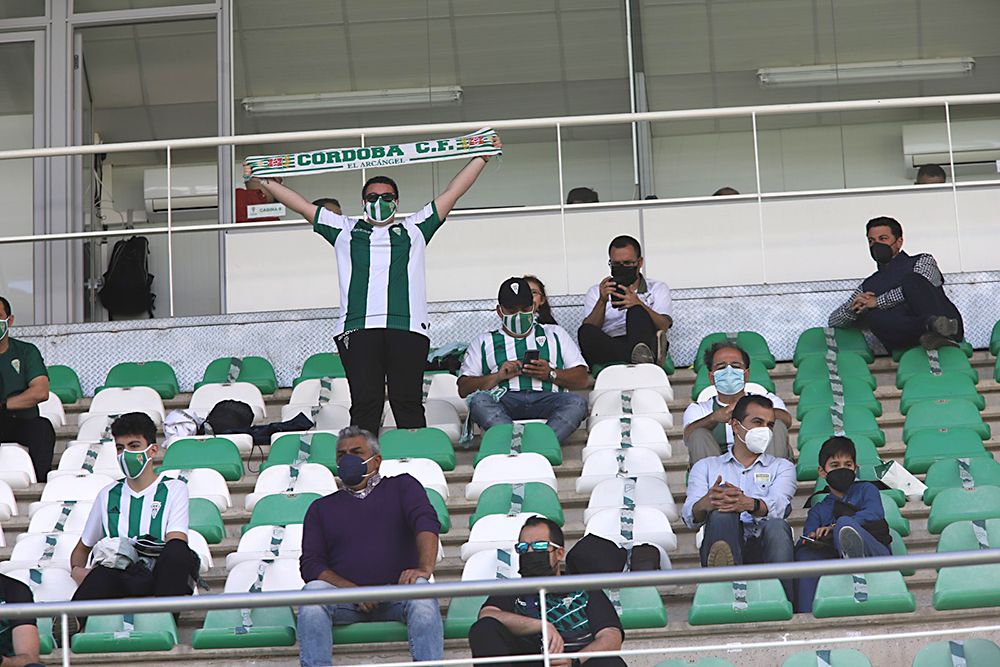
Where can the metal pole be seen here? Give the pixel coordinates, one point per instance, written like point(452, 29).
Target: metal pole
point(170, 237)
point(562, 203)
point(954, 186)
point(760, 202)
point(637, 190)
point(543, 612)
point(65, 640)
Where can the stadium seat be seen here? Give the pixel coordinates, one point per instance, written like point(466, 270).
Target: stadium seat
point(968, 586)
point(844, 595)
point(650, 526)
point(281, 510)
point(973, 652)
point(639, 402)
point(94, 430)
point(8, 504)
point(256, 544)
point(16, 468)
point(243, 441)
point(996, 371)
point(819, 396)
point(199, 545)
point(893, 516)
point(642, 607)
point(52, 409)
point(64, 383)
point(109, 634)
point(508, 469)
point(285, 449)
point(281, 574)
point(322, 365)
point(27, 552)
point(157, 375)
point(206, 396)
point(205, 518)
point(858, 421)
point(667, 364)
point(464, 611)
point(640, 432)
point(224, 629)
point(814, 369)
point(812, 342)
point(964, 346)
point(604, 464)
point(216, 453)
point(622, 377)
point(898, 548)
point(723, 602)
point(440, 508)
point(56, 586)
point(204, 483)
point(941, 414)
point(535, 498)
point(83, 488)
point(306, 393)
point(929, 387)
point(951, 505)
point(44, 520)
point(438, 414)
point(947, 474)
point(537, 438)
point(867, 473)
point(330, 417)
point(995, 340)
point(807, 466)
point(925, 448)
point(494, 531)
point(427, 472)
point(369, 632)
point(838, 657)
point(311, 478)
point(443, 386)
point(648, 492)
point(750, 342)
point(424, 443)
point(119, 400)
point(915, 362)
point(702, 383)
point(258, 371)
point(72, 460)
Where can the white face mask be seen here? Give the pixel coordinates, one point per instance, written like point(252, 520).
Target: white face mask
point(757, 439)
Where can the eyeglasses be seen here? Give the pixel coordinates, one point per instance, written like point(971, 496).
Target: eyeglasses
point(373, 197)
point(624, 265)
point(538, 545)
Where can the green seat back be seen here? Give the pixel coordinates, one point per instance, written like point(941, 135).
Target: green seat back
point(849, 365)
point(758, 374)
point(812, 342)
point(867, 473)
point(280, 509)
point(995, 340)
point(925, 448)
point(322, 365)
point(258, 371)
point(216, 453)
point(964, 345)
point(46, 642)
point(944, 414)
point(838, 657)
point(285, 449)
point(858, 421)
point(714, 603)
point(271, 627)
point(819, 395)
point(750, 341)
point(915, 362)
point(423, 443)
point(537, 438)
point(944, 474)
point(978, 653)
point(969, 586)
point(440, 508)
point(642, 607)
point(370, 632)
point(996, 371)
point(462, 613)
point(807, 467)
point(538, 497)
point(64, 383)
point(157, 375)
point(898, 548)
point(929, 387)
point(204, 517)
point(105, 634)
point(887, 594)
point(667, 366)
point(951, 505)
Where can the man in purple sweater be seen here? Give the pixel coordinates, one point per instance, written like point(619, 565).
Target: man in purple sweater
point(376, 531)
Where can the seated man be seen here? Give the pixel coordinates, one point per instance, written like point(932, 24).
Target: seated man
point(903, 303)
point(848, 523)
point(706, 424)
point(375, 531)
point(18, 636)
point(578, 622)
point(524, 369)
point(626, 316)
point(25, 384)
point(743, 496)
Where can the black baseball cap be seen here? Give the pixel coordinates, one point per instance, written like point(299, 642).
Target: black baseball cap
point(515, 293)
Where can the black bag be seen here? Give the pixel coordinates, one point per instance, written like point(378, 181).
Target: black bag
point(127, 282)
point(228, 417)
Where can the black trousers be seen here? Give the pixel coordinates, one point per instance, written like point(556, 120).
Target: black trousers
point(600, 348)
point(900, 327)
point(36, 434)
point(377, 358)
point(489, 638)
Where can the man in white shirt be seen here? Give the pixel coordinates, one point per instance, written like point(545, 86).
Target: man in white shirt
point(524, 370)
point(706, 423)
point(626, 315)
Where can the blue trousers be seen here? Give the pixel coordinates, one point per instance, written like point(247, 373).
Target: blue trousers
point(563, 411)
point(773, 545)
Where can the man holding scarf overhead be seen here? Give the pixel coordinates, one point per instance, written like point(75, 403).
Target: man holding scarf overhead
point(382, 330)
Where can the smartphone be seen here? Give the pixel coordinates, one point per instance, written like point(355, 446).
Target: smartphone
point(617, 296)
point(529, 356)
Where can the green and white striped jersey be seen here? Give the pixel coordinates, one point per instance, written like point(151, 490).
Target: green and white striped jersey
point(119, 511)
point(381, 269)
point(489, 351)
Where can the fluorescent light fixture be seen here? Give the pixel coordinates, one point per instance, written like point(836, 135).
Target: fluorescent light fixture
point(875, 72)
point(347, 102)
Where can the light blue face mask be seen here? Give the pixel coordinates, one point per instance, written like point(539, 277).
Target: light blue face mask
point(729, 380)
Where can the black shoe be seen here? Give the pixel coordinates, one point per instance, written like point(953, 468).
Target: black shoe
point(851, 544)
point(641, 354)
point(933, 341)
point(943, 326)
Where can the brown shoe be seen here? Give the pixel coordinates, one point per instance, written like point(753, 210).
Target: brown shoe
point(933, 341)
point(641, 354)
point(720, 555)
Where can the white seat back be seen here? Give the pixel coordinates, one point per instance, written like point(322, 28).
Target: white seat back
point(83, 488)
point(509, 469)
point(28, 551)
point(119, 400)
point(711, 392)
point(8, 504)
point(198, 544)
point(52, 409)
point(57, 584)
point(45, 518)
point(280, 575)
point(482, 565)
point(444, 387)
point(645, 402)
point(494, 531)
point(426, 471)
point(207, 396)
point(603, 464)
point(16, 468)
point(204, 483)
point(72, 460)
point(650, 527)
point(312, 478)
point(648, 492)
point(643, 431)
point(638, 376)
point(307, 392)
point(275, 436)
point(441, 415)
point(255, 544)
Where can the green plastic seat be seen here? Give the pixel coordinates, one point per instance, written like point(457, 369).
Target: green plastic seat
point(440, 508)
point(714, 603)
point(995, 340)
point(462, 613)
point(944, 414)
point(928, 387)
point(46, 642)
point(423, 443)
point(322, 365)
point(157, 375)
point(887, 594)
point(968, 586)
point(215, 453)
point(858, 421)
point(538, 497)
point(807, 467)
point(285, 449)
point(925, 448)
point(819, 395)
point(281, 509)
point(964, 345)
point(838, 657)
point(258, 371)
point(758, 374)
point(868, 473)
point(977, 653)
point(205, 518)
point(814, 369)
point(703, 662)
point(996, 371)
point(537, 438)
point(944, 474)
point(893, 516)
point(370, 632)
point(915, 362)
point(812, 342)
point(898, 548)
point(642, 607)
point(951, 505)
point(667, 366)
point(271, 627)
point(750, 341)
point(64, 383)
point(105, 634)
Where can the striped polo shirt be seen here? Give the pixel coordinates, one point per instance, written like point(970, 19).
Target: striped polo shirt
point(488, 352)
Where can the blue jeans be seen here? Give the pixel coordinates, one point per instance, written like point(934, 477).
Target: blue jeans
point(805, 587)
point(563, 411)
point(315, 626)
point(773, 545)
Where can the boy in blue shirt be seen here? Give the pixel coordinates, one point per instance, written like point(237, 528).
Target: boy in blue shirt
point(848, 523)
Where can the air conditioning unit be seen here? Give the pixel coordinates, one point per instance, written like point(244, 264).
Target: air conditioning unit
point(194, 192)
point(975, 143)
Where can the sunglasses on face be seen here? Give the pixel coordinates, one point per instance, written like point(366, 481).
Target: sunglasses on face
point(538, 545)
point(373, 197)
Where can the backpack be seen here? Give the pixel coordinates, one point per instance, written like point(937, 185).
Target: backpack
point(229, 417)
point(127, 282)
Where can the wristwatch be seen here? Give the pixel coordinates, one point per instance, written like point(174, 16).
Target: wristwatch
point(552, 375)
point(756, 506)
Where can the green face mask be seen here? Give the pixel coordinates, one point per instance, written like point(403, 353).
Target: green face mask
point(380, 210)
point(519, 324)
point(4, 328)
point(133, 463)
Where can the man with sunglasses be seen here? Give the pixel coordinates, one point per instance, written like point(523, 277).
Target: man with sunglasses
point(579, 622)
point(382, 331)
point(626, 315)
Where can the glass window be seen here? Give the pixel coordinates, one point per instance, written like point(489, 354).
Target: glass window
point(81, 6)
point(19, 9)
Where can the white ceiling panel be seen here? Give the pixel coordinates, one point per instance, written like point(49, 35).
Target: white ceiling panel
point(866, 30)
point(179, 69)
point(489, 54)
point(675, 39)
point(762, 33)
point(261, 14)
point(123, 124)
point(113, 72)
point(302, 61)
point(960, 28)
point(394, 10)
point(184, 120)
point(594, 44)
point(398, 54)
point(492, 7)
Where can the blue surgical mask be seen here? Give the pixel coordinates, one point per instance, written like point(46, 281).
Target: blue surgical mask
point(729, 380)
point(352, 469)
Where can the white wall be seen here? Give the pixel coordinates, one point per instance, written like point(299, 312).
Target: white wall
point(16, 183)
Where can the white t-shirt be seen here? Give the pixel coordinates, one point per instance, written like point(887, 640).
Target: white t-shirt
point(175, 519)
point(489, 351)
point(697, 411)
point(656, 296)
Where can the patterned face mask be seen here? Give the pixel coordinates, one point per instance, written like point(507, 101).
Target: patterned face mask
point(380, 210)
point(133, 463)
point(4, 327)
point(519, 324)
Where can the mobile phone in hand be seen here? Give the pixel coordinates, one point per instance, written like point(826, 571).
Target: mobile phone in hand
point(529, 356)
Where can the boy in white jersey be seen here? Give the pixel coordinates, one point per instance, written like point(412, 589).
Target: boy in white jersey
point(524, 370)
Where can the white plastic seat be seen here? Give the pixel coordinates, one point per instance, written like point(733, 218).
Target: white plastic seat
point(16, 468)
point(644, 431)
point(44, 520)
point(494, 531)
point(93, 429)
point(71, 461)
point(648, 492)
point(510, 469)
point(198, 544)
point(28, 551)
point(331, 417)
point(208, 395)
point(243, 441)
point(52, 409)
point(307, 392)
point(439, 414)
point(639, 376)
point(312, 478)
point(8, 504)
point(255, 544)
point(645, 403)
point(119, 400)
point(650, 527)
point(444, 387)
point(85, 488)
point(482, 565)
point(711, 392)
point(603, 464)
point(275, 436)
point(426, 471)
point(281, 575)
point(205, 483)
point(57, 584)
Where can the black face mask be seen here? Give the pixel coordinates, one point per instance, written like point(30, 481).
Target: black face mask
point(535, 564)
point(840, 479)
point(881, 252)
point(625, 275)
